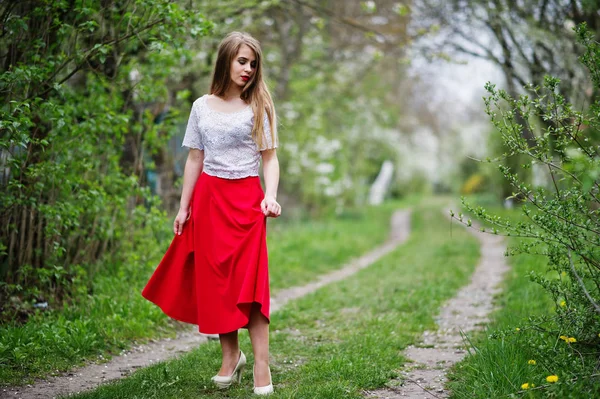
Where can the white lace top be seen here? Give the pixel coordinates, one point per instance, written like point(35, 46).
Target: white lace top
point(226, 138)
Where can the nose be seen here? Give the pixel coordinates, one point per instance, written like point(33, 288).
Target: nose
point(247, 67)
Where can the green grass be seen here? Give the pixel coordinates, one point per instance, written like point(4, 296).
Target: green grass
point(497, 365)
point(114, 314)
point(300, 251)
point(343, 338)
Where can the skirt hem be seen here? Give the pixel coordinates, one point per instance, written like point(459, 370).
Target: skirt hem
point(194, 322)
point(217, 268)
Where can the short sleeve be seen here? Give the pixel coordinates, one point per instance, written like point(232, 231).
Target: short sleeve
point(193, 136)
point(270, 140)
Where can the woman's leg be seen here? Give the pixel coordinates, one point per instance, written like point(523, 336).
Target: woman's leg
point(231, 352)
point(258, 328)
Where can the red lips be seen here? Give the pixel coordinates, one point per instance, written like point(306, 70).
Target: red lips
point(246, 78)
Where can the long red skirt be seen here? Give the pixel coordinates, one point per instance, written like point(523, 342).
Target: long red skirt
point(217, 268)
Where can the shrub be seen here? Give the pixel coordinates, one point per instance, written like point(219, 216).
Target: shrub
point(561, 219)
point(83, 86)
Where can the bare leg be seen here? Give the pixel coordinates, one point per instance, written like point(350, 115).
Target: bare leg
point(231, 352)
point(258, 327)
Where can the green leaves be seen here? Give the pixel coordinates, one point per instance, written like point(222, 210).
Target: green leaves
point(75, 130)
point(561, 220)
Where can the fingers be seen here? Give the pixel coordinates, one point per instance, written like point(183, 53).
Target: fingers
point(178, 226)
point(273, 209)
point(263, 207)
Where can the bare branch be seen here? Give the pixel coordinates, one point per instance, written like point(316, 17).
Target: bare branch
point(91, 53)
point(344, 20)
point(581, 284)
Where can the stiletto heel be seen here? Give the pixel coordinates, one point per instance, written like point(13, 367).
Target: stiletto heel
point(225, 381)
point(266, 390)
point(239, 375)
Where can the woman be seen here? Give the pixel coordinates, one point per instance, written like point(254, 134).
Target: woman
point(215, 272)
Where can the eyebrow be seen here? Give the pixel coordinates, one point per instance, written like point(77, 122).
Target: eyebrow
point(244, 58)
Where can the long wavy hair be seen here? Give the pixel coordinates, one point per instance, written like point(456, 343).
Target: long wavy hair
point(255, 92)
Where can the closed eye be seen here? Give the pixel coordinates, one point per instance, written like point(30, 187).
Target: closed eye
point(243, 61)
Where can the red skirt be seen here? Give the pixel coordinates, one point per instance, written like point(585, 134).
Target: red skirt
point(217, 268)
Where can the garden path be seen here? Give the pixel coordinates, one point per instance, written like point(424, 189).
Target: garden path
point(467, 311)
point(145, 355)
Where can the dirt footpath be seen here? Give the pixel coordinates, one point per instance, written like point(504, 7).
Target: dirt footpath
point(466, 312)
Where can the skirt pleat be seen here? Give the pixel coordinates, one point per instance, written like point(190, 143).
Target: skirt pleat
point(217, 268)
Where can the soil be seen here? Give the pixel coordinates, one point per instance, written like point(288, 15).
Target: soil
point(92, 375)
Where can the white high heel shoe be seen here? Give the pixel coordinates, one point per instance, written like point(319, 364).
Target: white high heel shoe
point(225, 381)
point(266, 390)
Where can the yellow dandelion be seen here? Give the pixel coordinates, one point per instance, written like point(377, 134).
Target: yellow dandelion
point(563, 274)
point(552, 378)
point(517, 329)
point(525, 386)
point(563, 304)
point(532, 362)
point(564, 338)
point(571, 339)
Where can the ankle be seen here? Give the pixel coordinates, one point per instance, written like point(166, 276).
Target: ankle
point(260, 363)
point(263, 384)
point(261, 374)
point(233, 353)
point(231, 357)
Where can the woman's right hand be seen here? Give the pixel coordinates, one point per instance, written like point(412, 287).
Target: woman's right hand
point(180, 219)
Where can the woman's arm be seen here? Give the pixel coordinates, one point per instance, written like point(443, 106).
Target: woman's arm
point(193, 168)
point(269, 204)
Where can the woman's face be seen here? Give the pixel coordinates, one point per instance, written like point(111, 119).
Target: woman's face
point(243, 66)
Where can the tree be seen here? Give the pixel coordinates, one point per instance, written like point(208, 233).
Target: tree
point(526, 40)
point(81, 83)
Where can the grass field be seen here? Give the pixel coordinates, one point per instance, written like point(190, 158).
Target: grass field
point(512, 351)
point(343, 338)
point(114, 314)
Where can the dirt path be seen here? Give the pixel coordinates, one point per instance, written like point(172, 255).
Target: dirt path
point(425, 377)
point(140, 356)
point(399, 232)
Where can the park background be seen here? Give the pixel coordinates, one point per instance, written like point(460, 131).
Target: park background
point(95, 99)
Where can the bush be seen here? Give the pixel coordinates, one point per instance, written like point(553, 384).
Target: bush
point(83, 88)
point(561, 220)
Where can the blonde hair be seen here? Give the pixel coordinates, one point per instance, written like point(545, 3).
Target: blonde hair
point(255, 92)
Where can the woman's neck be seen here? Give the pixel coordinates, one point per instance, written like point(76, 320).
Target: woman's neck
point(233, 91)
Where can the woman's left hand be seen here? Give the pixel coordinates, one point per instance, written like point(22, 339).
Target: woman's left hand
point(270, 207)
